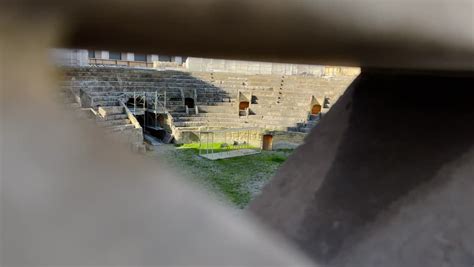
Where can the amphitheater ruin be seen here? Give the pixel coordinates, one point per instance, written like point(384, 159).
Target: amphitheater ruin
point(384, 178)
point(176, 105)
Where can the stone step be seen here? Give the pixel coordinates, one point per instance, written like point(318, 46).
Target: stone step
point(219, 93)
point(110, 93)
point(293, 105)
point(264, 99)
point(305, 129)
point(217, 109)
point(264, 85)
point(113, 117)
point(105, 98)
point(105, 103)
point(215, 114)
point(270, 124)
point(278, 109)
point(212, 101)
point(215, 104)
point(110, 110)
point(108, 123)
point(120, 128)
point(207, 119)
point(265, 95)
point(299, 96)
point(282, 119)
point(293, 129)
point(210, 124)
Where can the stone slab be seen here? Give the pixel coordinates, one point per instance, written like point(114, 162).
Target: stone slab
point(230, 154)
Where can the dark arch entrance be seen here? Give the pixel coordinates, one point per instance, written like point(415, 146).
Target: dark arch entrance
point(160, 120)
point(138, 102)
point(189, 102)
point(267, 142)
point(316, 109)
point(244, 105)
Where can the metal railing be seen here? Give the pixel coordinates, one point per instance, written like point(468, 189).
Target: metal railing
point(151, 101)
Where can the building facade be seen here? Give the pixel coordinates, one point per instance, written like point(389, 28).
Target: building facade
point(83, 57)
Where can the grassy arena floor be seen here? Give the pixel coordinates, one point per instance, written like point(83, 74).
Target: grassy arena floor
point(237, 180)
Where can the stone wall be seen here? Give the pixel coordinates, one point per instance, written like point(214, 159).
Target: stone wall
point(268, 68)
point(286, 140)
point(80, 57)
point(277, 102)
point(254, 138)
point(250, 67)
point(69, 57)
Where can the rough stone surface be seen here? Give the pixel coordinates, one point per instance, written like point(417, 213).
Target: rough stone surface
point(253, 67)
point(287, 140)
point(278, 102)
point(386, 177)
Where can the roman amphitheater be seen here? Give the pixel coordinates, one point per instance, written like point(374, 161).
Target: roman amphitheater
point(165, 150)
point(176, 104)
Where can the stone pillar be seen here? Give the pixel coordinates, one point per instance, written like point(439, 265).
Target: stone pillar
point(82, 57)
point(128, 56)
point(178, 60)
point(98, 54)
point(70, 57)
point(151, 58)
point(102, 54)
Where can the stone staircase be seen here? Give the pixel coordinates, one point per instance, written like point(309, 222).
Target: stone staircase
point(312, 121)
point(117, 124)
point(107, 114)
point(277, 102)
point(113, 117)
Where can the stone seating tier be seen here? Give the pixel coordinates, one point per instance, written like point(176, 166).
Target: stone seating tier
point(278, 102)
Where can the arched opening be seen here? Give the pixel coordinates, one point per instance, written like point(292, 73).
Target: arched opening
point(254, 100)
point(316, 109)
point(189, 102)
point(267, 142)
point(129, 102)
point(243, 105)
point(141, 119)
point(326, 103)
point(161, 120)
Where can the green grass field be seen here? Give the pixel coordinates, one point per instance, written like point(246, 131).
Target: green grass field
point(215, 147)
point(237, 180)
